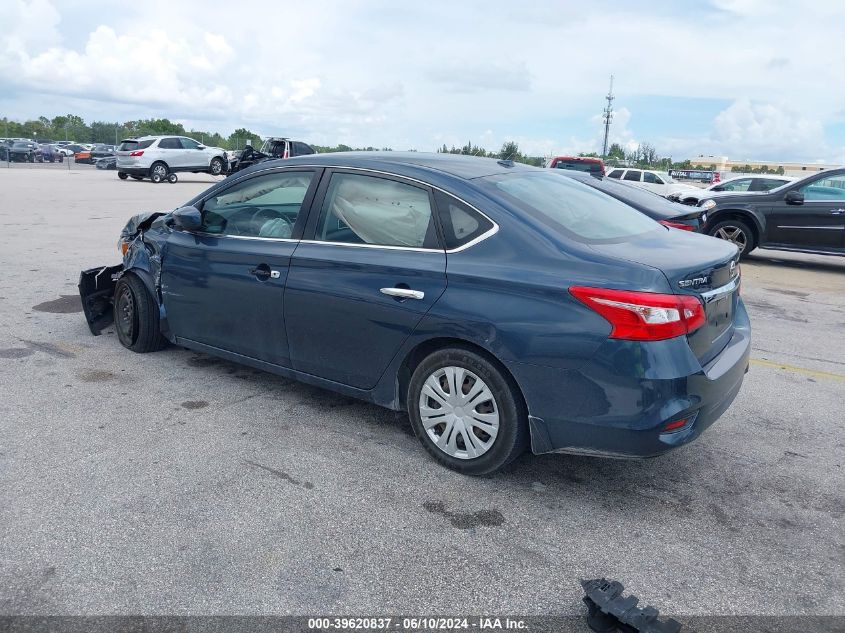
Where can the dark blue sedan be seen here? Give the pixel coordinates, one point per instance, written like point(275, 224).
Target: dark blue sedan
point(502, 306)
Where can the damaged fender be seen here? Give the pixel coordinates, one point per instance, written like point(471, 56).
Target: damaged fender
point(96, 285)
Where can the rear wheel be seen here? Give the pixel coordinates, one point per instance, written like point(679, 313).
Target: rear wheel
point(216, 166)
point(736, 232)
point(123, 176)
point(136, 316)
point(467, 414)
point(158, 172)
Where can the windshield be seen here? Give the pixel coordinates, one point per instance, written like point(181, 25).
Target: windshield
point(666, 177)
point(578, 211)
point(130, 145)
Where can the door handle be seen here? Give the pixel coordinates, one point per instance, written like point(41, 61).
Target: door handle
point(837, 212)
point(403, 293)
point(263, 272)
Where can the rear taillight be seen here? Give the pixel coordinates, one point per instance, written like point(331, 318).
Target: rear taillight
point(643, 316)
point(677, 225)
point(139, 152)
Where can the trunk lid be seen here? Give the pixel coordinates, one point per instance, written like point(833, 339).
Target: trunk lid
point(697, 265)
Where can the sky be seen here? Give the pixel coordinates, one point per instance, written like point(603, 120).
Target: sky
point(747, 79)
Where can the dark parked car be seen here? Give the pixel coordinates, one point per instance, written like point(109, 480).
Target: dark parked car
point(49, 154)
point(807, 215)
point(272, 148)
point(23, 152)
point(109, 162)
point(587, 164)
point(102, 151)
point(671, 214)
point(500, 305)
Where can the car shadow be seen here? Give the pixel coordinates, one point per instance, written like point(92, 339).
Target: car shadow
point(787, 259)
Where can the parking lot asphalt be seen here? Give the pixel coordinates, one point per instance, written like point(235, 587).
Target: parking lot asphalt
point(176, 483)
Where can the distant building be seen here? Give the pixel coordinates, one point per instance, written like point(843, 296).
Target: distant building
point(726, 165)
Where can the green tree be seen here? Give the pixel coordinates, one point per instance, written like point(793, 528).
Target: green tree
point(242, 137)
point(510, 151)
point(615, 152)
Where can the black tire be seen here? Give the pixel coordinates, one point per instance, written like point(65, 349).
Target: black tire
point(511, 438)
point(172, 178)
point(737, 232)
point(136, 316)
point(123, 176)
point(158, 171)
point(215, 168)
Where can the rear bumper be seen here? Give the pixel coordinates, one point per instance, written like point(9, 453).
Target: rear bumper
point(618, 404)
point(133, 171)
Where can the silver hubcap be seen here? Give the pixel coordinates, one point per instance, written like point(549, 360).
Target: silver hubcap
point(160, 171)
point(733, 234)
point(216, 167)
point(459, 413)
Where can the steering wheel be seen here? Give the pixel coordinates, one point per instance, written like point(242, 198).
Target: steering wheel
point(261, 216)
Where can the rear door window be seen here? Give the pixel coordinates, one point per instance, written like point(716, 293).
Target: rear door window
point(374, 210)
point(633, 175)
point(616, 173)
point(169, 143)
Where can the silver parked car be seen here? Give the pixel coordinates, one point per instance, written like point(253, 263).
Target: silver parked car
point(156, 157)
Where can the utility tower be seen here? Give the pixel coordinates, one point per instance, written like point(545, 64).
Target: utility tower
point(607, 117)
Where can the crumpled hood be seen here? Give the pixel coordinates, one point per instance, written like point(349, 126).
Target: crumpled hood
point(140, 222)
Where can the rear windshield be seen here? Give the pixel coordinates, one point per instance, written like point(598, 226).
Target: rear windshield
point(132, 145)
point(576, 210)
point(579, 165)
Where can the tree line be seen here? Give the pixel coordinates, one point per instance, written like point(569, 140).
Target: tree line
point(70, 127)
point(509, 151)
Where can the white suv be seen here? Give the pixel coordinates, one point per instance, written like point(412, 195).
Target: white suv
point(156, 157)
point(659, 182)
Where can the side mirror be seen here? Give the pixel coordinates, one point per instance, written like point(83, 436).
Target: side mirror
point(187, 218)
point(200, 146)
point(794, 197)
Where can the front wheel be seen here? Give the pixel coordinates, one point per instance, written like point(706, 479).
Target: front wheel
point(467, 414)
point(122, 175)
point(736, 232)
point(216, 167)
point(136, 316)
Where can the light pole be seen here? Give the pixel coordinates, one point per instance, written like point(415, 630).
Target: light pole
point(607, 116)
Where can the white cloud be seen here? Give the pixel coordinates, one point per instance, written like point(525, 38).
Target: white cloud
point(380, 73)
point(747, 130)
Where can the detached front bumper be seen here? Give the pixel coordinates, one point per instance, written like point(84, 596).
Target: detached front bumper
point(96, 289)
point(619, 403)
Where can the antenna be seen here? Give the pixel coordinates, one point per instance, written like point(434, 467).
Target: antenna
point(607, 117)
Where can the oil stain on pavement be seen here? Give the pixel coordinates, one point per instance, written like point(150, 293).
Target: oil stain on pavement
point(280, 474)
point(194, 404)
point(466, 520)
point(65, 304)
point(15, 352)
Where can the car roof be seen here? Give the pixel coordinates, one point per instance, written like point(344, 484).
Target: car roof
point(404, 163)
